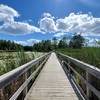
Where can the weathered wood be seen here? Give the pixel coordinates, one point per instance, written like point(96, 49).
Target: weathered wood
point(12, 75)
point(24, 85)
point(52, 83)
point(1, 94)
point(89, 70)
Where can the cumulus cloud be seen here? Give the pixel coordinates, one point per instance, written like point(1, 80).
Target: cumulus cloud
point(10, 26)
point(47, 23)
point(79, 23)
point(18, 28)
point(28, 42)
point(47, 15)
point(7, 13)
point(83, 23)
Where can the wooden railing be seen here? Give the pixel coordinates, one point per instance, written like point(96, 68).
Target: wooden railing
point(85, 77)
point(16, 83)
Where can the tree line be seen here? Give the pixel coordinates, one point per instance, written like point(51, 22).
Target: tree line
point(12, 46)
point(9, 45)
point(77, 41)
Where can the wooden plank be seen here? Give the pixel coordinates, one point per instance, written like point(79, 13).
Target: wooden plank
point(93, 71)
point(52, 83)
point(24, 85)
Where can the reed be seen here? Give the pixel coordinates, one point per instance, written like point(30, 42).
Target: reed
point(90, 55)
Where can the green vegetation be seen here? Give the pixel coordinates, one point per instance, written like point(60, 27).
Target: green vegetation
point(12, 46)
point(77, 41)
point(43, 46)
point(13, 55)
point(48, 45)
point(63, 43)
point(8, 45)
point(75, 48)
point(12, 60)
point(90, 55)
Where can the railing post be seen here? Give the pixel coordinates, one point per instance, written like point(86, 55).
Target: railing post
point(1, 94)
point(26, 88)
point(87, 88)
point(69, 70)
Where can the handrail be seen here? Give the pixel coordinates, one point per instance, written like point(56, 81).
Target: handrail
point(89, 70)
point(17, 93)
point(7, 78)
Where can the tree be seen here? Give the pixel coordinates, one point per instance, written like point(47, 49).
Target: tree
point(28, 48)
point(9, 45)
point(54, 43)
point(98, 42)
point(47, 45)
point(62, 43)
point(43, 46)
point(76, 41)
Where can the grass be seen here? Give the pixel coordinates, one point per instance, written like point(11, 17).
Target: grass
point(90, 55)
point(12, 60)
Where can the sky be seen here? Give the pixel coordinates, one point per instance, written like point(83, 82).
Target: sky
point(30, 21)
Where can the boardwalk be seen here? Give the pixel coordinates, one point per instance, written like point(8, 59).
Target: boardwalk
point(52, 83)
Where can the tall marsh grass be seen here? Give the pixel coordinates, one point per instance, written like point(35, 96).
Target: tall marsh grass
point(12, 60)
point(90, 55)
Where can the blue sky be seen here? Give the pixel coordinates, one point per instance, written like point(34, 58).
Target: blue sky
point(44, 19)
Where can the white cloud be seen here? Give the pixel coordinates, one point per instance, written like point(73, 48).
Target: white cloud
point(83, 23)
point(11, 26)
point(33, 40)
point(92, 42)
point(79, 23)
point(91, 34)
point(21, 42)
point(47, 23)
point(18, 28)
point(8, 10)
point(7, 13)
point(47, 15)
point(29, 42)
point(59, 34)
